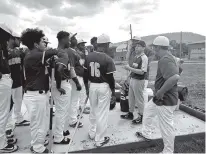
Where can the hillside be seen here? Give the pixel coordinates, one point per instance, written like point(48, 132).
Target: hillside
point(187, 37)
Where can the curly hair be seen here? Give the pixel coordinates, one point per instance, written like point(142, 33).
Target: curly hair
point(31, 36)
point(62, 34)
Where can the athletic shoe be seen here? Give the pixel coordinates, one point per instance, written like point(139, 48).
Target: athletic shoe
point(9, 149)
point(45, 151)
point(64, 141)
point(46, 142)
point(137, 120)
point(128, 116)
point(11, 140)
point(66, 133)
point(9, 133)
point(74, 125)
point(106, 140)
point(23, 123)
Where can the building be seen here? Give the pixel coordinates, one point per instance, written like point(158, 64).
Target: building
point(197, 50)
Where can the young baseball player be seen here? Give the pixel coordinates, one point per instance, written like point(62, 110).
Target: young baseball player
point(82, 53)
point(62, 102)
point(37, 86)
point(165, 96)
point(6, 146)
point(137, 82)
point(74, 105)
point(15, 57)
point(99, 69)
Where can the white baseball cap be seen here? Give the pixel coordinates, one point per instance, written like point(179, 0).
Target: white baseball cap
point(46, 39)
point(103, 39)
point(81, 41)
point(138, 38)
point(161, 41)
point(6, 28)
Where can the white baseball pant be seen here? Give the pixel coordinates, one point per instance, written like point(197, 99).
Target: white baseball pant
point(165, 117)
point(5, 96)
point(77, 99)
point(62, 103)
point(36, 104)
point(16, 94)
point(100, 96)
point(136, 88)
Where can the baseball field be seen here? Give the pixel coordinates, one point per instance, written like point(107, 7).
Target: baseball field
point(193, 77)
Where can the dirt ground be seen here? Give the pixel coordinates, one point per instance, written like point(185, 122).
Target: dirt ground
point(193, 76)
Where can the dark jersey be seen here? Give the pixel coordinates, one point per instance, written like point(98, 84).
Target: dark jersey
point(15, 60)
point(4, 66)
point(98, 65)
point(35, 71)
point(80, 60)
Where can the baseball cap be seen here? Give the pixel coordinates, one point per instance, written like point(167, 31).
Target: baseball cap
point(161, 41)
point(103, 39)
point(142, 43)
point(138, 38)
point(46, 40)
point(81, 41)
point(72, 35)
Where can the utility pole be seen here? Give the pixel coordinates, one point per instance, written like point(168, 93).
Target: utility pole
point(130, 30)
point(181, 44)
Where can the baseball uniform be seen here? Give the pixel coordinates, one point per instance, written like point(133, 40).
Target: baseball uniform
point(97, 67)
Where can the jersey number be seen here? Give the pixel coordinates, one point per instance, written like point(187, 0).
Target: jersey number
point(95, 69)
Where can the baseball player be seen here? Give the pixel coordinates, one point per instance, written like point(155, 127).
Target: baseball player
point(82, 53)
point(137, 83)
point(6, 145)
point(74, 105)
point(99, 69)
point(62, 91)
point(15, 57)
point(93, 42)
point(165, 96)
point(37, 86)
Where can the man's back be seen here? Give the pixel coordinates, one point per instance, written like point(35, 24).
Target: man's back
point(98, 65)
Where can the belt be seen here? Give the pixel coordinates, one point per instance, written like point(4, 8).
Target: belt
point(40, 91)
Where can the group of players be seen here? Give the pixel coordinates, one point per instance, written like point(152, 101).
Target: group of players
point(78, 74)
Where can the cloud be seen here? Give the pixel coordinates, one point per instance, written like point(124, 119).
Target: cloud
point(39, 4)
point(6, 7)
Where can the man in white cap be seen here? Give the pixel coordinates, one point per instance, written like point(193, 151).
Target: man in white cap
point(99, 69)
point(165, 96)
point(15, 57)
point(6, 145)
point(82, 52)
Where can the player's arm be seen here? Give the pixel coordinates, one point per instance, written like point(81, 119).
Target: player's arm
point(72, 59)
point(1, 63)
point(85, 77)
point(143, 69)
point(170, 73)
point(110, 75)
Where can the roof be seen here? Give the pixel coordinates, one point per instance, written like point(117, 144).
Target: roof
point(203, 41)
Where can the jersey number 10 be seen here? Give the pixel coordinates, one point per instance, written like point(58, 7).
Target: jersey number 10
point(95, 69)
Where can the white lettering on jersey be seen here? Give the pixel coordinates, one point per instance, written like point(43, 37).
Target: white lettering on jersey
point(95, 69)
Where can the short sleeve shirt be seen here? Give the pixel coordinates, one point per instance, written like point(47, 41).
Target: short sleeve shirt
point(140, 62)
point(167, 67)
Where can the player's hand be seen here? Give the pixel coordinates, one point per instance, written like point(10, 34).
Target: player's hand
point(62, 91)
point(159, 95)
point(126, 67)
point(79, 87)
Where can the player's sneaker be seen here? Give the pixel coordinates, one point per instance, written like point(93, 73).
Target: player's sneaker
point(45, 151)
point(23, 123)
point(100, 144)
point(9, 149)
point(66, 133)
point(128, 116)
point(74, 125)
point(11, 140)
point(137, 120)
point(64, 141)
point(9, 133)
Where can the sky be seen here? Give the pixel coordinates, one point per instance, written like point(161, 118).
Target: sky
point(93, 17)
